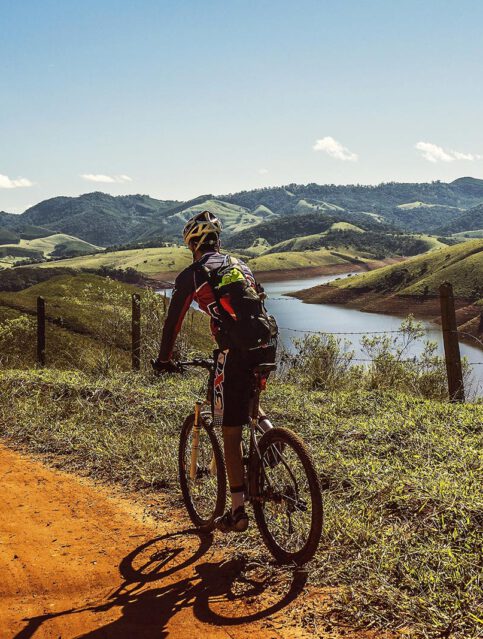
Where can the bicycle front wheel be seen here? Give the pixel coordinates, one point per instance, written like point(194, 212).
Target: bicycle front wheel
point(202, 472)
point(287, 497)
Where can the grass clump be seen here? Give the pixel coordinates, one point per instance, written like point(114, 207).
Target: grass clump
point(401, 479)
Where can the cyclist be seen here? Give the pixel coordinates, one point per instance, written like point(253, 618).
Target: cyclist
point(231, 384)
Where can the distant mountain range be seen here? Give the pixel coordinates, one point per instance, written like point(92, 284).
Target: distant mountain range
point(104, 220)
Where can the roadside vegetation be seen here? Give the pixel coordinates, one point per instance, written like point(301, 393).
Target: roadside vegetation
point(401, 467)
point(401, 478)
point(88, 324)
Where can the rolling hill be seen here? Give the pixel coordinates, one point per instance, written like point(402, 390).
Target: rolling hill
point(461, 193)
point(471, 220)
point(280, 229)
point(421, 275)
point(412, 285)
point(105, 220)
point(233, 217)
point(363, 222)
point(148, 261)
point(98, 218)
point(52, 245)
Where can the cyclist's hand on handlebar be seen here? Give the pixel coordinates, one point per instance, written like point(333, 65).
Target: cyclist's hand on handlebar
point(165, 367)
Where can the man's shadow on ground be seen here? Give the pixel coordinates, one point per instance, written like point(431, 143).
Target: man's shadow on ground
point(212, 594)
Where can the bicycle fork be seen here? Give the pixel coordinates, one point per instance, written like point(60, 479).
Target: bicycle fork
point(195, 448)
point(196, 442)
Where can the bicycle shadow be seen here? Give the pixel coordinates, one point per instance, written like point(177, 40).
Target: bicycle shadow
point(220, 593)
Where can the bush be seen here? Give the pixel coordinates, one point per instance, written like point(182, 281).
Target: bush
point(324, 362)
point(321, 362)
point(15, 334)
point(393, 368)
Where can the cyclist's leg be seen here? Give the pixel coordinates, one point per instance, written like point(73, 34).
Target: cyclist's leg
point(232, 437)
point(231, 399)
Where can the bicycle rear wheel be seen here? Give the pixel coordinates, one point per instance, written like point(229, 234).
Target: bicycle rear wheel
point(202, 473)
point(287, 497)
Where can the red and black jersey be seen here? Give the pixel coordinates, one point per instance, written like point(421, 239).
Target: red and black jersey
point(192, 285)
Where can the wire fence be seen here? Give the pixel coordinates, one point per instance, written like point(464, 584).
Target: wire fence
point(135, 340)
point(392, 332)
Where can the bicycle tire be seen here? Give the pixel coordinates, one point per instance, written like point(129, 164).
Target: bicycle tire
point(288, 439)
point(204, 523)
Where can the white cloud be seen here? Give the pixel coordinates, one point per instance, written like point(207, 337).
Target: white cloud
point(8, 183)
point(263, 171)
point(106, 179)
point(434, 153)
point(335, 149)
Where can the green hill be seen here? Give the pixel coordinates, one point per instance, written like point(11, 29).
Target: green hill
point(462, 265)
point(31, 232)
point(54, 245)
point(289, 227)
point(383, 198)
point(8, 237)
point(422, 217)
point(148, 261)
point(471, 220)
point(104, 220)
point(233, 217)
point(300, 260)
point(98, 218)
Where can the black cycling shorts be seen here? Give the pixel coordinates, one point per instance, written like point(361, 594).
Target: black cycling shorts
point(232, 383)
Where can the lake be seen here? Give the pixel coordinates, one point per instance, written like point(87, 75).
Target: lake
point(296, 318)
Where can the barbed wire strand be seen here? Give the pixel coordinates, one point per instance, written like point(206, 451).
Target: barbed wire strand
point(301, 330)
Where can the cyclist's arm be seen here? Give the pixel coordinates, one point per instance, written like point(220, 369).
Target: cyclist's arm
point(181, 299)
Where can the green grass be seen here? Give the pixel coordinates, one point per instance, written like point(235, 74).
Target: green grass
point(346, 226)
point(297, 259)
point(149, 261)
point(233, 217)
point(58, 243)
point(401, 478)
point(95, 308)
point(307, 242)
point(81, 300)
point(414, 205)
point(432, 242)
point(469, 234)
point(461, 264)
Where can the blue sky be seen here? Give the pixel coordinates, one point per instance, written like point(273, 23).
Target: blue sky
point(176, 99)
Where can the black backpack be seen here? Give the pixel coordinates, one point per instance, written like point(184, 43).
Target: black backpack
point(244, 321)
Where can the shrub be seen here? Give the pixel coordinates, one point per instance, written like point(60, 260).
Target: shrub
point(321, 362)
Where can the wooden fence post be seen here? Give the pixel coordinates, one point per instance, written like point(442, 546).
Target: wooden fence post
point(136, 332)
point(451, 345)
point(41, 331)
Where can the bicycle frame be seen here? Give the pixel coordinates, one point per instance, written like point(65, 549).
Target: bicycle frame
point(255, 431)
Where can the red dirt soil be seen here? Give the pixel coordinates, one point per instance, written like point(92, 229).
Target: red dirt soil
point(80, 562)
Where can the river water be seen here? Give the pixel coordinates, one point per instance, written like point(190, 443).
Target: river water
point(296, 319)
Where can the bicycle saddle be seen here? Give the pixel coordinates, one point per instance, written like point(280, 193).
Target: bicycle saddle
point(263, 369)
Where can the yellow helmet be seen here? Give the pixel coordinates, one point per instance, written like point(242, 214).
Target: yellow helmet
point(200, 226)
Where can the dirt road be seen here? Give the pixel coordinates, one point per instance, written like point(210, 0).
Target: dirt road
point(78, 561)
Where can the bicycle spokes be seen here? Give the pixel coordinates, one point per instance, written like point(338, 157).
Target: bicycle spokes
point(285, 496)
point(201, 468)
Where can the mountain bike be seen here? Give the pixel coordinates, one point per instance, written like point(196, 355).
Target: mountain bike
point(281, 482)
